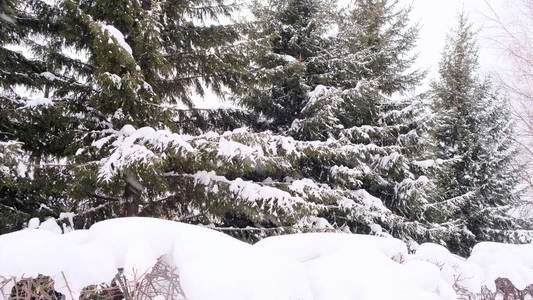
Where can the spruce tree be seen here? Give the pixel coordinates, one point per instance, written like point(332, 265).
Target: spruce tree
point(285, 180)
point(341, 151)
point(473, 137)
point(338, 152)
point(96, 67)
point(370, 60)
point(175, 55)
point(25, 190)
point(289, 57)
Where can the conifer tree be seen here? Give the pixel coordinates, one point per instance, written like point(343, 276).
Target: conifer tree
point(473, 137)
point(97, 66)
point(22, 193)
point(351, 147)
point(289, 57)
point(338, 153)
point(349, 177)
point(370, 60)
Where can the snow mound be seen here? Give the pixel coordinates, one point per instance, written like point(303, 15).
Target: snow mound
point(487, 263)
point(349, 266)
point(208, 262)
point(308, 246)
point(514, 262)
point(314, 266)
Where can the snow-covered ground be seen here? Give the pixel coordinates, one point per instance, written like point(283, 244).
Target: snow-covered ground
point(212, 265)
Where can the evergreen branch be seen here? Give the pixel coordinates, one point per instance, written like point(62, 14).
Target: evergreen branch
point(454, 200)
point(271, 229)
point(218, 6)
point(13, 209)
point(191, 217)
point(107, 198)
point(209, 51)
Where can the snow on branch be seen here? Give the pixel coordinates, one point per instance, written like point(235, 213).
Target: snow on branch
point(251, 191)
point(115, 36)
point(130, 146)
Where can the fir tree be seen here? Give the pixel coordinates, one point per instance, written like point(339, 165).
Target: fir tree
point(369, 60)
point(338, 152)
point(273, 182)
point(473, 138)
point(21, 193)
point(341, 165)
point(289, 57)
point(99, 66)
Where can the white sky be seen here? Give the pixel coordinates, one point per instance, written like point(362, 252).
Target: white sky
point(438, 17)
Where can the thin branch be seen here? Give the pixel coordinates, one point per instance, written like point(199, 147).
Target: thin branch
point(67, 285)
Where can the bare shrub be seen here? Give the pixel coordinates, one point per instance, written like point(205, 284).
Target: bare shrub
point(505, 290)
point(161, 281)
point(41, 287)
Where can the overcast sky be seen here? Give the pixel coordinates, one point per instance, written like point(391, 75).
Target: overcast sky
point(437, 17)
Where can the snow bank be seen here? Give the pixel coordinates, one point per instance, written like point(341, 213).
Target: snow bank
point(302, 266)
point(209, 263)
point(349, 266)
point(305, 247)
point(31, 252)
point(514, 262)
point(487, 262)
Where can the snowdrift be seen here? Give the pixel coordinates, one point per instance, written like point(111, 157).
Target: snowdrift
point(209, 263)
point(212, 265)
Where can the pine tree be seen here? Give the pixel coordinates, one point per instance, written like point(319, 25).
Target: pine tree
point(273, 182)
point(98, 66)
point(474, 146)
point(289, 57)
point(351, 147)
point(24, 191)
point(370, 59)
